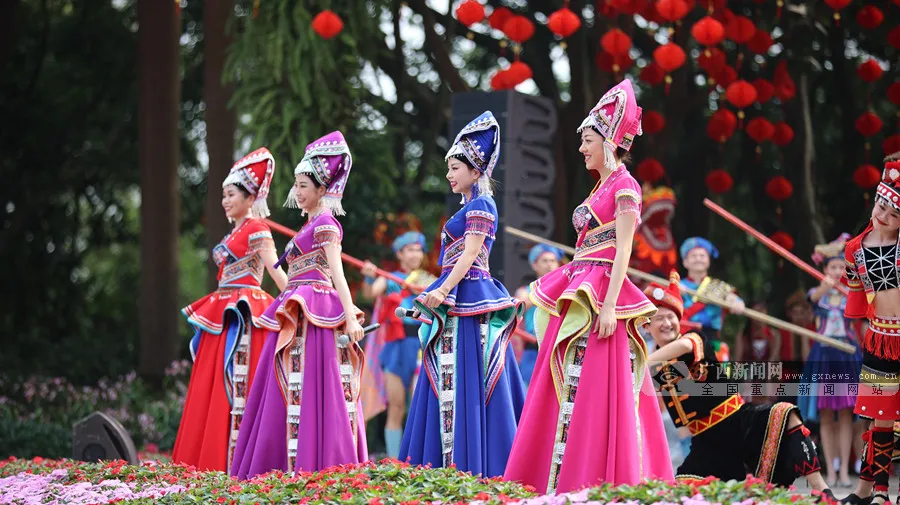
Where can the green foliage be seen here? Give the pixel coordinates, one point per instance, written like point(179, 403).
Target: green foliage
point(36, 417)
point(292, 87)
point(70, 228)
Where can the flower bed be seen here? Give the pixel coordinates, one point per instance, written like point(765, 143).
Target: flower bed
point(40, 481)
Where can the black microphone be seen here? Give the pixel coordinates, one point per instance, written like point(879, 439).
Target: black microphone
point(343, 340)
point(401, 312)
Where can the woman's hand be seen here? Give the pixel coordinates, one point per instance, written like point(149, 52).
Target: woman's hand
point(605, 322)
point(435, 298)
point(354, 330)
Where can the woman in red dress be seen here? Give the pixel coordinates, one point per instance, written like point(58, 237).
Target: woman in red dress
point(228, 337)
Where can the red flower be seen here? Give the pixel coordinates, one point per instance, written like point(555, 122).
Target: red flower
point(234, 489)
point(482, 496)
point(38, 460)
point(347, 496)
point(375, 501)
point(221, 499)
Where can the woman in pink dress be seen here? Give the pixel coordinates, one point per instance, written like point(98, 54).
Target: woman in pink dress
point(587, 320)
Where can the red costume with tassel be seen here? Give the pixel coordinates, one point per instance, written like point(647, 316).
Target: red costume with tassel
point(874, 269)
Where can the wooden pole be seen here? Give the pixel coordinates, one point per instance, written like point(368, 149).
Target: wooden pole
point(752, 314)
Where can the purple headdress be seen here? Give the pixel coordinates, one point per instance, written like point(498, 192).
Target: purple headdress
point(328, 161)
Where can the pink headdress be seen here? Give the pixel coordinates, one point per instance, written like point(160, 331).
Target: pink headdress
point(617, 118)
point(328, 161)
point(254, 173)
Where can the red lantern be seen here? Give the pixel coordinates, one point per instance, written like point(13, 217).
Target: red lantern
point(499, 17)
point(519, 72)
point(894, 37)
point(650, 170)
point(868, 124)
point(650, 13)
point(629, 7)
point(518, 28)
point(761, 42)
point(724, 16)
point(615, 42)
point(893, 93)
point(708, 31)
point(725, 76)
point(760, 129)
point(652, 122)
point(327, 24)
point(783, 239)
point(470, 12)
point(564, 22)
point(719, 181)
point(711, 60)
point(741, 94)
point(891, 145)
point(869, 17)
point(652, 74)
point(784, 134)
point(607, 9)
point(740, 29)
point(866, 176)
point(779, 188)
point(669, 57)
point(837, 5)
point(764, 90)
point(869, 71)
point(610, 63)
point(502, 80)
point(672, 10)
point(721, 125)
point(785, 89)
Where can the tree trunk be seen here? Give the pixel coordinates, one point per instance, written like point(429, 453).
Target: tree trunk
point(220, 123)
point(809, 156)
point(158, 69)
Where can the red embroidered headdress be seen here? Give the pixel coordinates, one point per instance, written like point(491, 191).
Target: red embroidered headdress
point(889, 187)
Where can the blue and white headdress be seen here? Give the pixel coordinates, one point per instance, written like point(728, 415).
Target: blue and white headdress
point(478, 144)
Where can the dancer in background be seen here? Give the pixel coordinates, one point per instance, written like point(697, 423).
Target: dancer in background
point(469, 397)
point(768, 441)
point(543, 260)
point(696, 254)
point(587, 319)
point(833, 409)
point(228, 334)
point(303, 412)
point(400, 355)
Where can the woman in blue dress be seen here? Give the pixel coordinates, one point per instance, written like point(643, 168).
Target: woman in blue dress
point(467, 410)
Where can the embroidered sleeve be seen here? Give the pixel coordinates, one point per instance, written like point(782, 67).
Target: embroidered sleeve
point(853, 281)
point(628, 200)
point(857, 303)
point(697, 347)
point(327, 232)
point(481, 222)
point(260, 241)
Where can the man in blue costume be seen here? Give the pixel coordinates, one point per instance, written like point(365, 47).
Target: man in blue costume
point(543, 260)
point(400, 356)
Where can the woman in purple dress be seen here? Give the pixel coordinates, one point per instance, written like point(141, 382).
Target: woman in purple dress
point(303, 412)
